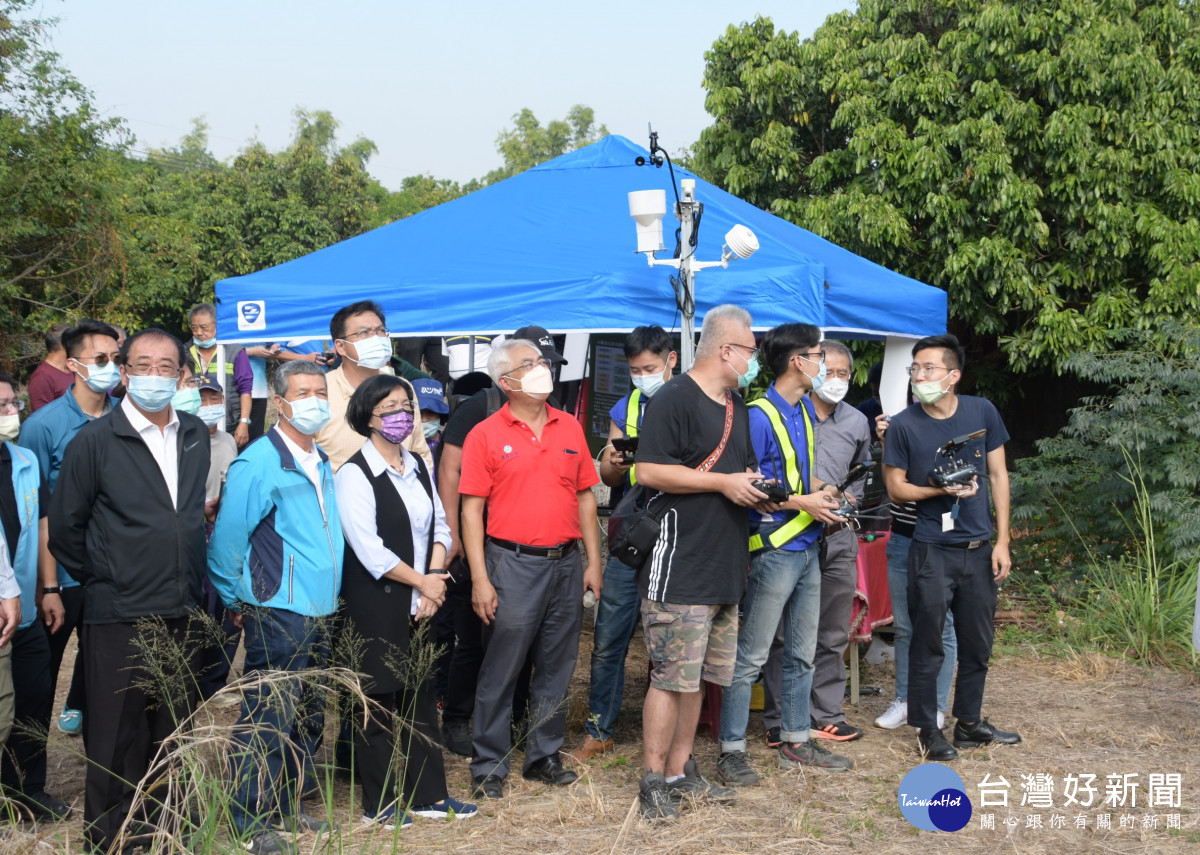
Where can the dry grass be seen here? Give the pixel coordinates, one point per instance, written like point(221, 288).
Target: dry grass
point(1087, 713)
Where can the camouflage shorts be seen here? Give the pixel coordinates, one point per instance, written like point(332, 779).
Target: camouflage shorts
point(689, 643)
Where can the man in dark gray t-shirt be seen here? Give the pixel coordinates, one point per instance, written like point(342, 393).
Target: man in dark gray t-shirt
point(952, 564)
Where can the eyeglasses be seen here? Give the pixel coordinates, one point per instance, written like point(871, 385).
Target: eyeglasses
point(840, 374)
point(13, 406)
point(753, 350)
point(530, 363)
point(927, 370)
point(142, 370)
point(403, 408)
point(365, 333)
point(189, 383)
point(199, 329)
point(813, 356)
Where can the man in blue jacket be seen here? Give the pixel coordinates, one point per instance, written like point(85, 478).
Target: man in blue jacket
point(275, 558)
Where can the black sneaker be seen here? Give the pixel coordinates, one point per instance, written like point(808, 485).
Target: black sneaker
point(982, 733)
point(812, 753)
point(456, 736)
point(549, 770)
point(301, 822)
point(733, 768)
point(774, 737)
point(654, 801)
point(934, 746)
point(698, 787)
point(487, 787)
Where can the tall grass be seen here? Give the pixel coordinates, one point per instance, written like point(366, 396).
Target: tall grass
point(1139, 604)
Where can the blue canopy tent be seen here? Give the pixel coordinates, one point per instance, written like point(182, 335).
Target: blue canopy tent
point(554, 246)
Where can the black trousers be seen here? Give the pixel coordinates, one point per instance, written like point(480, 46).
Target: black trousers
point(72, 600)
point(131, 709)
point(957, 579)
point(415, 730)
point(23, 769)
point(258, 417)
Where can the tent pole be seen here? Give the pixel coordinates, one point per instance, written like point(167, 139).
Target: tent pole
point(685, 211)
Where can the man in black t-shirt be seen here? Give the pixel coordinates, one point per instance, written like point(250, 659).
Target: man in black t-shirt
point(696, 449)
point(952, 563)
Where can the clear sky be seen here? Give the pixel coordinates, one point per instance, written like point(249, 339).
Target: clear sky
point(431, 83)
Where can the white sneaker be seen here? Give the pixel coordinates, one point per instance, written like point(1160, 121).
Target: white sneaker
point(896, 715)
point(941, 719)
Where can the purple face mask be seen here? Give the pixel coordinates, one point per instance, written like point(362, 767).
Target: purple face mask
point(397, 427)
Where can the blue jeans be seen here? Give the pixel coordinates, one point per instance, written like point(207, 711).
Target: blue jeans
point(785, 585)
point(616, 620)
point(280, 725)
point(897, 559)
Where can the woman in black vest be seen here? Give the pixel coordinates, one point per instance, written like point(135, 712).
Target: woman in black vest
point(396, 540)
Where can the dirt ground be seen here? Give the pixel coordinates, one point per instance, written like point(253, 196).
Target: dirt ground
point(1087, 715)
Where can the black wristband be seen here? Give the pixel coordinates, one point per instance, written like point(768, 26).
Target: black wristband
point(57, 589)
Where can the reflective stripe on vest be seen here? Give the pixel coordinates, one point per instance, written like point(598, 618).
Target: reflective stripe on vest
point(632, 413)
point(795, 526)
point(195, 351)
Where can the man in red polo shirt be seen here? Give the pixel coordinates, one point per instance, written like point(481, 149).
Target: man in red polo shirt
point(529, 464)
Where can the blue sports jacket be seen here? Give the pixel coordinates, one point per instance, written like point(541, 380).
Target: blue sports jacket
point(272, 544)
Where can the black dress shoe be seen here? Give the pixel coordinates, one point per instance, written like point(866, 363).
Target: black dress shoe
point(549, 770)
point(982, 733)
point(487, 787)
point(45, 807)
point(934, 746)
point(456, 737)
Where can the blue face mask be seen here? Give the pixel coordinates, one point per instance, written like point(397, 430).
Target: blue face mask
point(206, 344)
point(102, 378)
point(212, 415)
point(187, 401)
point(151, 392)
point(309, 415)
point(822, 372)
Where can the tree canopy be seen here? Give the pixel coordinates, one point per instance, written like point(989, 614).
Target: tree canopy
point(1035, 158)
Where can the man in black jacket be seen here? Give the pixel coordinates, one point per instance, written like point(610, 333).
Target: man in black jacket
point(127, 522)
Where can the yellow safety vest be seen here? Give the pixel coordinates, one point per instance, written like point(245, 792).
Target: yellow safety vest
point(195, 352)
point(632, 411)
point(795, 526)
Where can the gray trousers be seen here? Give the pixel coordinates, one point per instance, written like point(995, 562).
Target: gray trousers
point(839, 575)
point(540, 611)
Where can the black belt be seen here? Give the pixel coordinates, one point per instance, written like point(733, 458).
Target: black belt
point(830, 528)
point(540, 551)
point(968, 544)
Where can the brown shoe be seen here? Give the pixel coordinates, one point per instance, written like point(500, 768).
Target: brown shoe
point(589, 748)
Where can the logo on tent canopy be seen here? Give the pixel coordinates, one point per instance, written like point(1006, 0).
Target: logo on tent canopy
point(252, 315)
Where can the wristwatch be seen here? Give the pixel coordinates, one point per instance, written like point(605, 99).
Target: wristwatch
point(56, 589)
point(244, 421)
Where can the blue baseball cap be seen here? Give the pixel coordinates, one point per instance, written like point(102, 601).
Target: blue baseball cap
point(431, 396)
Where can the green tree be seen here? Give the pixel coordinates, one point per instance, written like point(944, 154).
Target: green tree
point(528, 143)
point(57, 221)
point(1037, 159)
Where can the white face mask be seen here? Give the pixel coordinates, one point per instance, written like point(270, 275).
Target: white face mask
point(373, 352)
point(537, 383)
point(649, 383)
point(832, 391)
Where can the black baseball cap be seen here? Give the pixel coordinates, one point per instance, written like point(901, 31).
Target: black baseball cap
point(544, 341)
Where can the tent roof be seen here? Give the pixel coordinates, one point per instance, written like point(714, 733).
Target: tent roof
point(554, 246)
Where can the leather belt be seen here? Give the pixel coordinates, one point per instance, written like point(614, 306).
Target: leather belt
point(970, 544)
point(830, 528)
point(540, 551)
